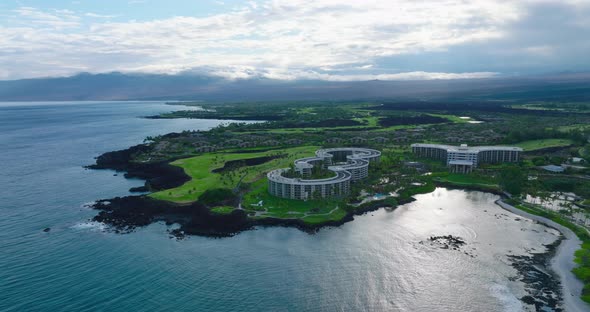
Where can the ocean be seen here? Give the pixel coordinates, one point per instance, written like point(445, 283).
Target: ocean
point(381, 261)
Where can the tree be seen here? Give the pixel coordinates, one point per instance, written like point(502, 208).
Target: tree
point(512, 180)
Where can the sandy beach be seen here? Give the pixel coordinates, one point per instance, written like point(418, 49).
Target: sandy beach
point(563, 262)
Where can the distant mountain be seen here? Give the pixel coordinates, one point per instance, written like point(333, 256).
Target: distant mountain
point(118, 86)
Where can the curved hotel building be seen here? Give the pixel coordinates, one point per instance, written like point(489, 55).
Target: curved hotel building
point(464, 159)
point(347, 163)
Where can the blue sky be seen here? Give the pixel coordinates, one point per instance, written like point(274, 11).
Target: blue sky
point(142, 10)
point(295, 39)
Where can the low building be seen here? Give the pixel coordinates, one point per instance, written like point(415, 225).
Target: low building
point(200, 143)
point(246, 144)
point(293, 142)
point(380, 139)
point(416, 165)
point(553, 168)
point(463, 159)
point(358, 140)
point(205, 149)
point(334, 140)
point(232, 142)
point(271, 143)
point(577, 160)
point(349, 164)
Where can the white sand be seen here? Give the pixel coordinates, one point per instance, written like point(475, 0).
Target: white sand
point(563, 261)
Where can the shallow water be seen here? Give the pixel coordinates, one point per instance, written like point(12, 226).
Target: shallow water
point(374, 263)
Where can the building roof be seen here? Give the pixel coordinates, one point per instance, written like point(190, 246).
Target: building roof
point(358, 158)
point(464, 147)
point(553, 168)
point(277, 176)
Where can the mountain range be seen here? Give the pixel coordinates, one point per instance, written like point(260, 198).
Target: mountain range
point(186, 86)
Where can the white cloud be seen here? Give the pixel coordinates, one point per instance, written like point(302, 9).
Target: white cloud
point(245, 73)
point(56, 18)
point(282, 39)
point(95, 15)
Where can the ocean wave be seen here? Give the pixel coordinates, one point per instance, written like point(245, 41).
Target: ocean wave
point(88, 204)
point(89, 226)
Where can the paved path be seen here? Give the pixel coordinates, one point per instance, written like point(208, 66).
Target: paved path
point(563, 261)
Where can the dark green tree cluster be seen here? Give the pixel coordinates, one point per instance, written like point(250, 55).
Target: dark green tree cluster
point(512, 180)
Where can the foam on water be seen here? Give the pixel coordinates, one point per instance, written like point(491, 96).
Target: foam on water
point(90, 226)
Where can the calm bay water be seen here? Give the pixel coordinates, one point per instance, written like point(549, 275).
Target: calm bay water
point(373, 263)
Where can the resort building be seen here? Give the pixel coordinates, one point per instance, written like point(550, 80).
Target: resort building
point(348, 164)
point(463, 159)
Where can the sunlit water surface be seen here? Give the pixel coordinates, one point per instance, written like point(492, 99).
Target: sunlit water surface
point(374, 263)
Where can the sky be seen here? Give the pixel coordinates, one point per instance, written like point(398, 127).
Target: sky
point(336, 40)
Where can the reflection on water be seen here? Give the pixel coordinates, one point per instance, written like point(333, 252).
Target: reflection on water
point(562, 202)
point(381, 261)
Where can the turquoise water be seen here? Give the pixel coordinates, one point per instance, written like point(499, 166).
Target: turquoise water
point(373, 263)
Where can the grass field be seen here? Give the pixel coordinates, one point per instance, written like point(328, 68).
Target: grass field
point(222, 210)
point(200, 168)
point(453, 118)
point(544, 143)
point(574, 127)
point(311, 211)
point(469, 179)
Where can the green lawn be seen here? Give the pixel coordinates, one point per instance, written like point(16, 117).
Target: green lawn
point(574, 127)
point(544, 143)
point(199, 169)
point(371, 121)
point(311, 211)
point(223, 210)
point(469, 179)
point(453, 118)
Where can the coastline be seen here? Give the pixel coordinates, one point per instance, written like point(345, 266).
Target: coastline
point(563, 261)
point(125, 214)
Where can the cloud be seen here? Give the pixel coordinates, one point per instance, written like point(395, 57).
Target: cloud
point(312, 75)
point(56, 18)
point(95, 15)
point(298, 39)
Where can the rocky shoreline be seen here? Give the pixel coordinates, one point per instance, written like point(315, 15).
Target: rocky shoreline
point(542, 285)
point(558, 259)
point(159, 175)
point(125, 214)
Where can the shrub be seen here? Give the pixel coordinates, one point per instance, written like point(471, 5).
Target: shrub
point(216, 195)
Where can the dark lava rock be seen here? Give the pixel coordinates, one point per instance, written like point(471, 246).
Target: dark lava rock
point(447, 241)
point(159, 175)
point(139, 189)
point(124, 214)
point(542, 286)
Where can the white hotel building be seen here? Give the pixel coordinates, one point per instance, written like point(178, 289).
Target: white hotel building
point(464, 159)
point(349, 164)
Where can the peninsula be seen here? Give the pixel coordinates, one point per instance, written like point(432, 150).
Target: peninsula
point(319, 164)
